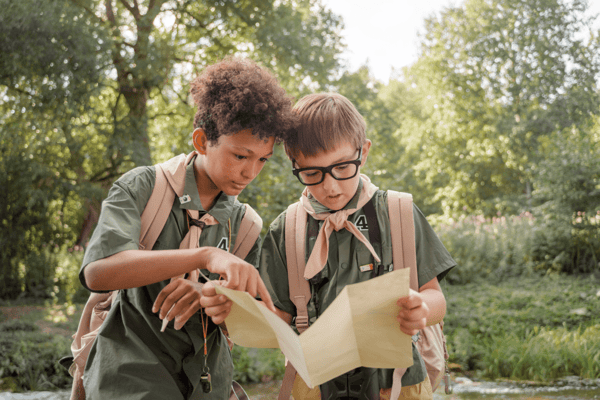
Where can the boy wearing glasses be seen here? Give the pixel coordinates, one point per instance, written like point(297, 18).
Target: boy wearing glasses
point(327, 152)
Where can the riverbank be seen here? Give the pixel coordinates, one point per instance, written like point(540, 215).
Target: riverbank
point(570, 388)
point(524, 329)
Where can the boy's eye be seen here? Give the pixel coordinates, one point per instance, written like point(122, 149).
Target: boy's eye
point(239, 157)
point(310, 173)
point(264, 160)
point(341, 167)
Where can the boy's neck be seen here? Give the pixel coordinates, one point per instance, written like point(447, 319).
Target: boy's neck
point(207, 190)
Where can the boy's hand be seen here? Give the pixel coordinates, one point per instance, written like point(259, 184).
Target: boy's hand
point(183, 295)
point(216, 306)
point(413, 313)
point(239, 275)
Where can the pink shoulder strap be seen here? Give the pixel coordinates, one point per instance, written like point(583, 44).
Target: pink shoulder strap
point(248, 232)
point(402, 227)
point(169, 182)
point(295, 250)
point(295, 241)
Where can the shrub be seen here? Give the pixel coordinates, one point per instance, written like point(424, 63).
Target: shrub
point(256, 365)
point(30, 358)
point(510, 246)
point(525, 328)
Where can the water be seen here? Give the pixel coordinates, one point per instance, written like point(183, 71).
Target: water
point(569, 388)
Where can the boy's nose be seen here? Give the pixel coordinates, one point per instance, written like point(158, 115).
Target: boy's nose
point(329, 182)
point(251, 170)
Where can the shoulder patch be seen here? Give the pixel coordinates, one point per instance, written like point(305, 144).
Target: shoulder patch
point(361, 223)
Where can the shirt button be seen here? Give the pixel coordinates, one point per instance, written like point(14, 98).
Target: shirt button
point(344, 265)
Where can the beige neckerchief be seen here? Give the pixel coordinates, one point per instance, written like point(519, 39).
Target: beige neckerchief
point(338, 221)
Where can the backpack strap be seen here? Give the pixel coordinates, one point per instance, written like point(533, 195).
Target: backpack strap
point(402, 227)
point(157, 210)
point(248, 232)
point(295, 250)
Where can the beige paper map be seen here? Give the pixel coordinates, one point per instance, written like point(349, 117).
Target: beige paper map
point(358, 329)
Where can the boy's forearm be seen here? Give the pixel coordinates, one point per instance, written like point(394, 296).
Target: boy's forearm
point(136, 268)
point(436, 302)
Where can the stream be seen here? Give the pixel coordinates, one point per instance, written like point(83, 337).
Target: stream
point(569, 388)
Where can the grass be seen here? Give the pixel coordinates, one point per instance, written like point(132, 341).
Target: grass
point(525, 328)
point(520, 328)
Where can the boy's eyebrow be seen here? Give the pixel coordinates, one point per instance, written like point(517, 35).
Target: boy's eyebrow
point(247, 150)
point(339, 160)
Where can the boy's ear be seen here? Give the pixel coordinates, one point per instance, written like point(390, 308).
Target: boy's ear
point(365, 152)
point(199, 140)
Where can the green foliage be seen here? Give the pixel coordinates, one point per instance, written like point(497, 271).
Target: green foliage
point(497, 247)
point(525, 328)
point(502, 247)
point(574, 352)
point(256, 365)
point(493, 79)
point(90, 89)
point(30, 358)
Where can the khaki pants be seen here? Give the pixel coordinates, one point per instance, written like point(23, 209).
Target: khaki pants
point(420, 391)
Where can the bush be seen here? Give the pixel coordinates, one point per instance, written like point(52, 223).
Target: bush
point(257, 365)
point(525, 328)
point(483, 248)
point(30, 358)
point(511, 246)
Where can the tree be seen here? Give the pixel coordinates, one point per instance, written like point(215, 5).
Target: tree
point(501, 75)
point(102, 86)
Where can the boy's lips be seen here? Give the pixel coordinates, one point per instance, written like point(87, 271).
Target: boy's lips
point(241, 185)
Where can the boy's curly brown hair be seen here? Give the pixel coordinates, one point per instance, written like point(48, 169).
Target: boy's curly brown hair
point(236, 94)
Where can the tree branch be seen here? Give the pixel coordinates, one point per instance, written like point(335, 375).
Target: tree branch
point(109, 12)
point(89, 10)
point(135, 11)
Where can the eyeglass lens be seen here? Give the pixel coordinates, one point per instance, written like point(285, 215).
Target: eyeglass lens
point(339, 172)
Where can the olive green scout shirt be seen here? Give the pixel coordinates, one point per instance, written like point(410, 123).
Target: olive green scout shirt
point(346, 255)
point(131, 358)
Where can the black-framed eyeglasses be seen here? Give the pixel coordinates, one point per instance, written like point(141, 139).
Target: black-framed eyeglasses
point(341, 171)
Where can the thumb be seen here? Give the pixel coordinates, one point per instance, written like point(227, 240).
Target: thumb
point(209, 289)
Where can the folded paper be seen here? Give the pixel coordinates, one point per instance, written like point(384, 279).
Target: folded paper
point(358, 329)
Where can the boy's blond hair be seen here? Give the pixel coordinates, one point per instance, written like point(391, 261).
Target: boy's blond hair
point(324, 121)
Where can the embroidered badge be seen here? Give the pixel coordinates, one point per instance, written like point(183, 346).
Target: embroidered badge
point(365, 268)
point(185, 199)
point(223, 244)
point(361, 223)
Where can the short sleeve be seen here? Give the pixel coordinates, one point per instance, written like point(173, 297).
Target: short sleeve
point(119, 224)
point(433, 260)
point(273, 266)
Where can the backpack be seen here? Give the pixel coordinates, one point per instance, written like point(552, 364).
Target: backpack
point(170, 182)
point(431, 343)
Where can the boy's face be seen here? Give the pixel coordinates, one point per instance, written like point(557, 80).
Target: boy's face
point(234, 160)
point(332, 193)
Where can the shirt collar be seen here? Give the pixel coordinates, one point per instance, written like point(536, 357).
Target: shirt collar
point(319, 208)
point(223, 206)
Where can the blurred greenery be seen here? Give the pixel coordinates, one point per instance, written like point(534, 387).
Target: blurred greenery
point(495, 130)
point(526, 328)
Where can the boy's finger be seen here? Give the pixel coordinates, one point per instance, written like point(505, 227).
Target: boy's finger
point(209, 289)
point(172, 300)
point(164, 293)
point(214, 301)
point(265, 296)
point(251, 288)
point(410, 302)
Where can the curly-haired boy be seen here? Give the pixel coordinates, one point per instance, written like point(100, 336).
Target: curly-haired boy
point(241, 112)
